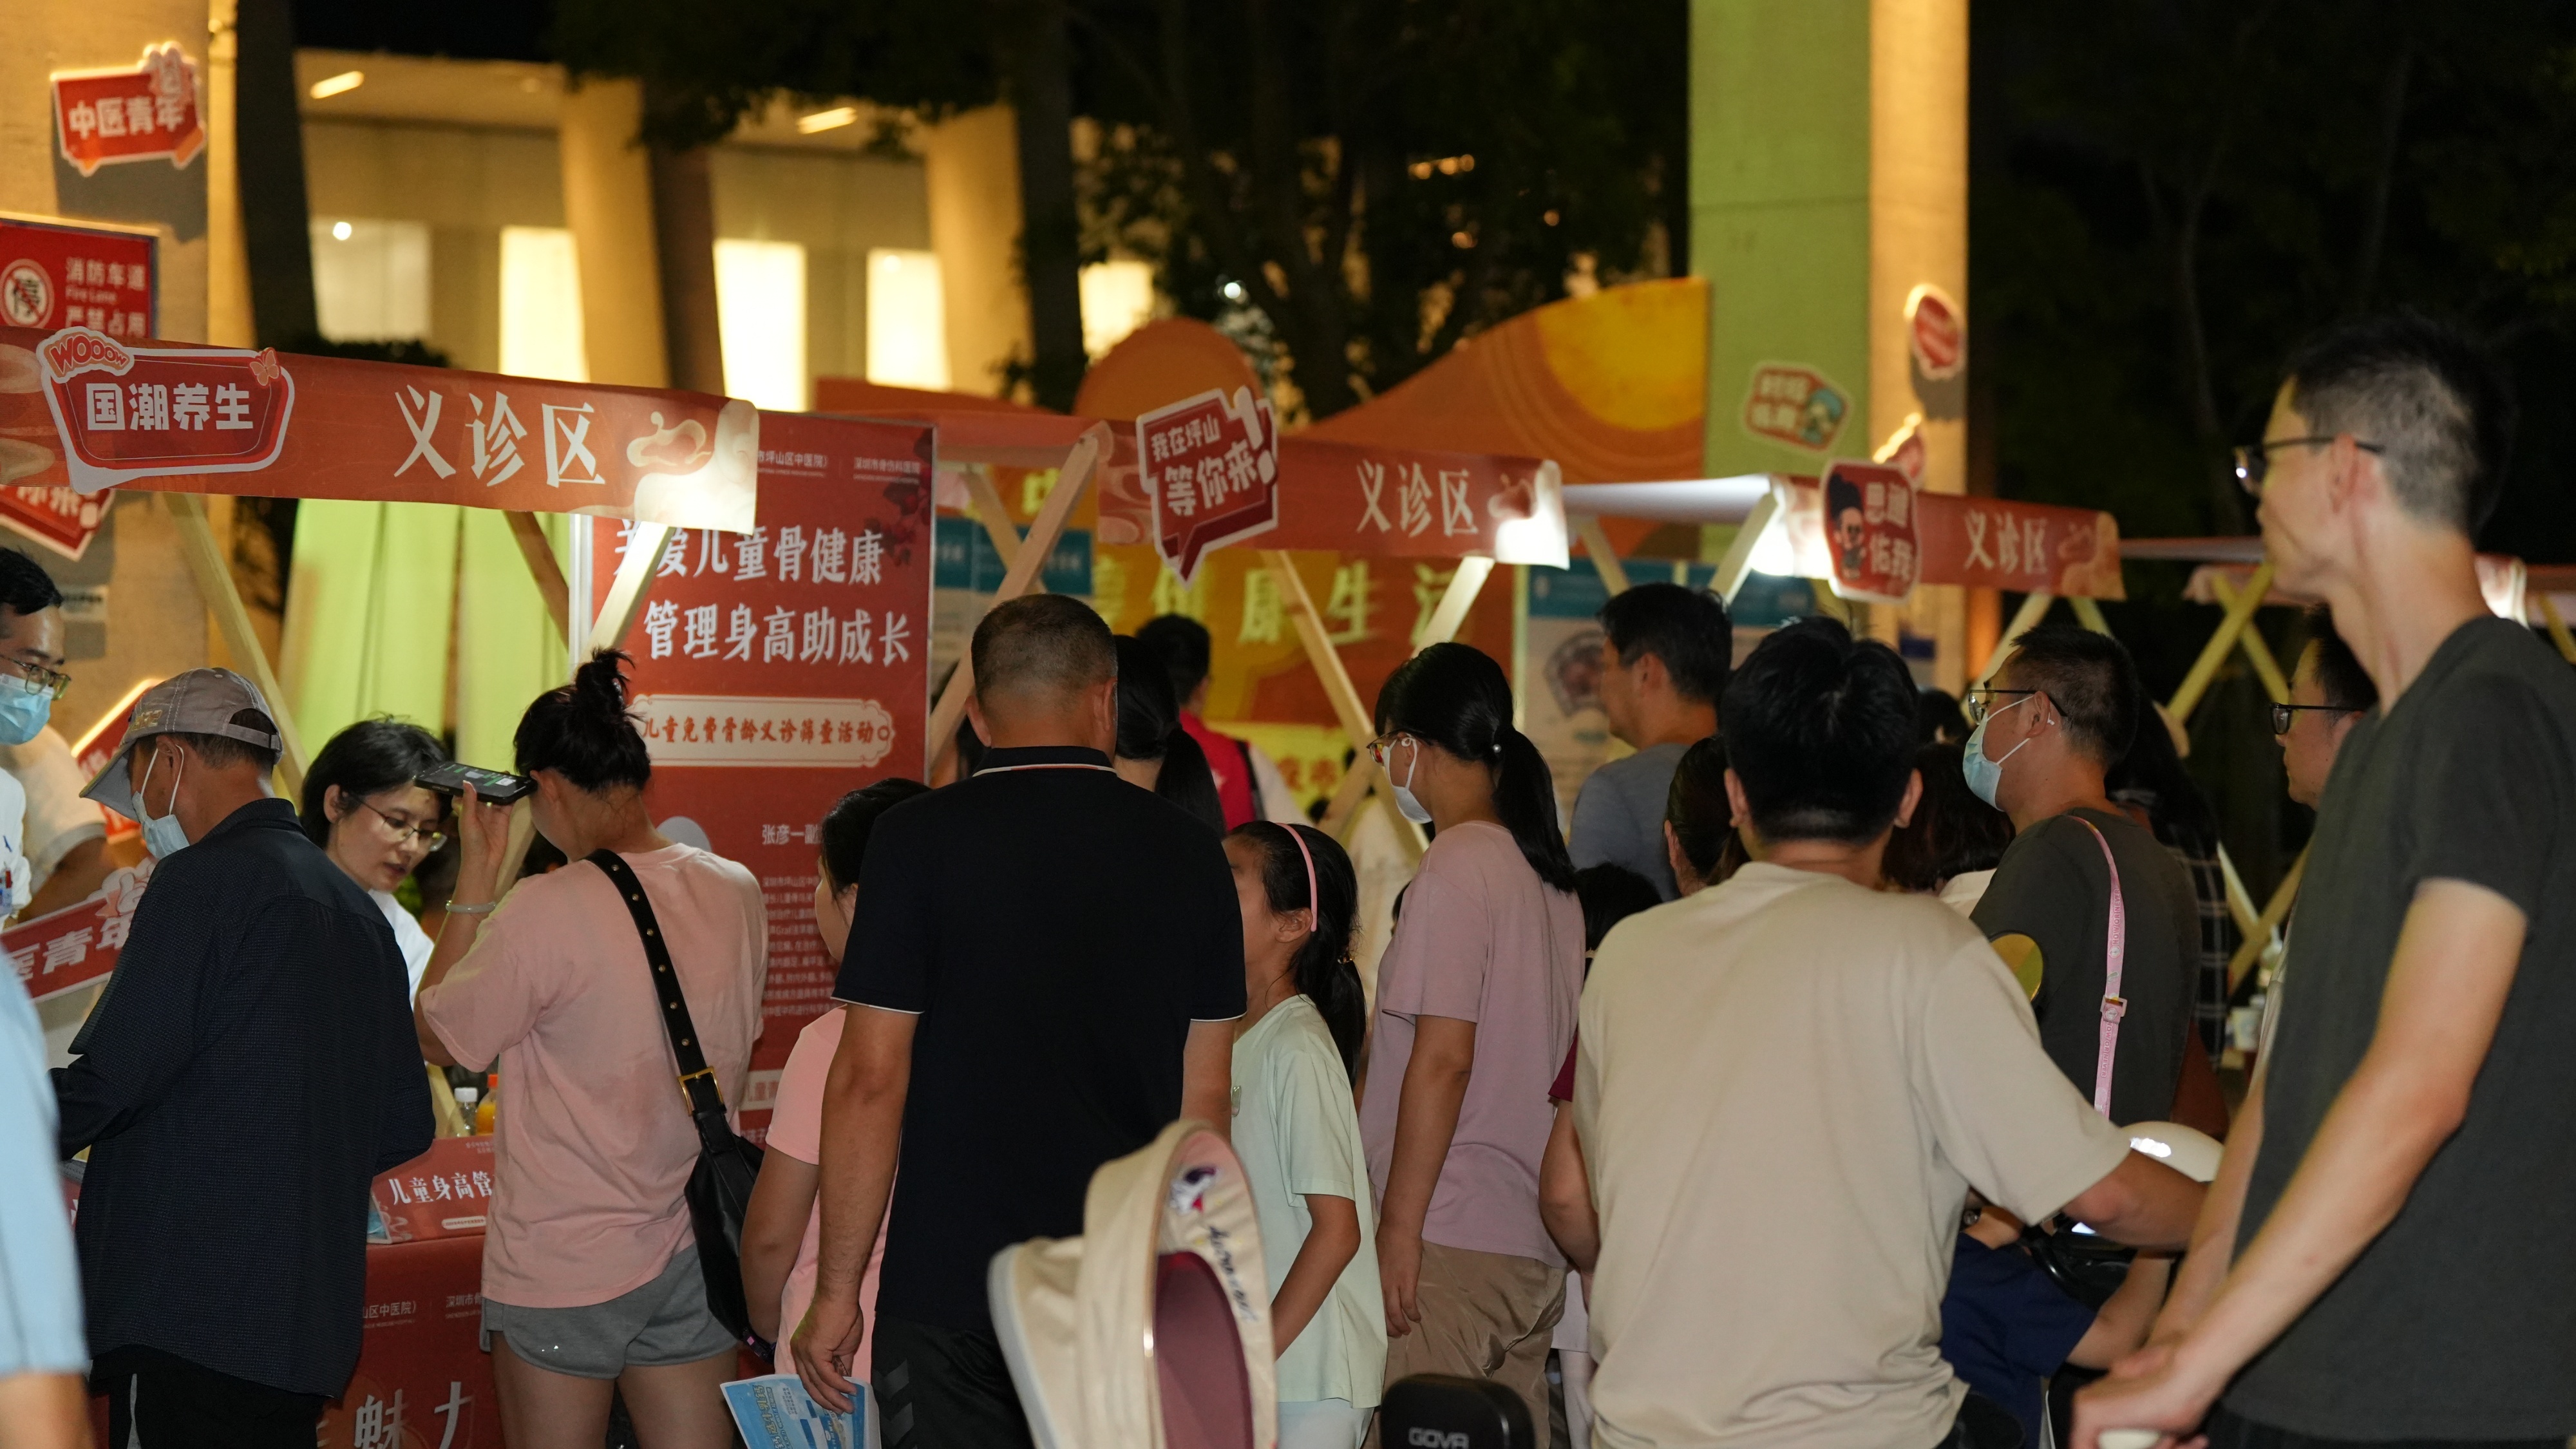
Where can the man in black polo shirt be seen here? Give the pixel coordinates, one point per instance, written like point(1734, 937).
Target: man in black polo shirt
point(1046, 962)
point(2385, 1255)
point(249, 1070)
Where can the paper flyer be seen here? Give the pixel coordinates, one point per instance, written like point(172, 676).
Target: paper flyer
point(775, 1412)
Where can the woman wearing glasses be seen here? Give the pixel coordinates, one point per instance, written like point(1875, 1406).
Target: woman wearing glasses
point(361, 807)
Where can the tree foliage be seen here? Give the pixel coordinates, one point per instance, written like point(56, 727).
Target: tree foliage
point(1280, 164)
point(2168, 196)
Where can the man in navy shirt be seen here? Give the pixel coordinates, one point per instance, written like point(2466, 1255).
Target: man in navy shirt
point(248, 1072)
point(1046, 964)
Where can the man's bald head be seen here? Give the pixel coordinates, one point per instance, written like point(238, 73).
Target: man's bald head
point(1040, 652)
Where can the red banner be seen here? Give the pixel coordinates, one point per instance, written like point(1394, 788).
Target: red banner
point(778, 668)
point(79, 944)
point(1211, 474)
point(1349, 498)
point(144, 113)
point(282, 426)
point(2021, 547)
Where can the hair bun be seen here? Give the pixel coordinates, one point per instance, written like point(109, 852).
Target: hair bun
point(601, 681)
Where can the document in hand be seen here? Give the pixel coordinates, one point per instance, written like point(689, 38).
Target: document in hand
point(775, 1412)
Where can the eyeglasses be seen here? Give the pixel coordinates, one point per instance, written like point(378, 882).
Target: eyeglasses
point(53, 682)
point(1980, 703)
point(2284, 715)
point(2253, 462)
point(1379, 748)
point(405, 832)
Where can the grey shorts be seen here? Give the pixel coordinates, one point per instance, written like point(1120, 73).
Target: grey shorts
point(664, 1322)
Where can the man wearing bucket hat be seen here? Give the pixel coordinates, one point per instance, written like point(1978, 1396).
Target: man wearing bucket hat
point(248, 1072)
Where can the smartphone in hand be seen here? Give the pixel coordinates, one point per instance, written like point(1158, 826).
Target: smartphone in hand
point(496, 787)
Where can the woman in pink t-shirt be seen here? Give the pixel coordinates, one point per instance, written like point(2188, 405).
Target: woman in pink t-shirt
point(591, 1282)
point(782, 1233)
point(1476, 1004)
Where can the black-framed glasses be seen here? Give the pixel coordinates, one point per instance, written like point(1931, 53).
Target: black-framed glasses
point(1980, 703)
point(2285, 715)
point(2255, 461)
point(52, 681)
point(406, 832)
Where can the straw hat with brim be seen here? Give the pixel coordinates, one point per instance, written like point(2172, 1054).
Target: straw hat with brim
point(1152, 1329)
point(199, 702)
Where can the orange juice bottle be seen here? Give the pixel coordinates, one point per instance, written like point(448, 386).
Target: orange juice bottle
point(485, 1110)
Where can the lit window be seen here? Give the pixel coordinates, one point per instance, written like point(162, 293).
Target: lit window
point(370, 279)
point(907, 319)
point(760, 317)
point(1117, 298)
point(541, 333)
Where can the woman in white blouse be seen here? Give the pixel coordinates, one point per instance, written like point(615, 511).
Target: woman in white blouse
point(361, 807)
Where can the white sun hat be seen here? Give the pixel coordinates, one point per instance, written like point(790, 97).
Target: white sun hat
point(1152, 1329)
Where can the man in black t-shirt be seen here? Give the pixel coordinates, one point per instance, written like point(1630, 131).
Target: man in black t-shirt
point(1045, 963)
point(2386, 1254)
point(2059, 712)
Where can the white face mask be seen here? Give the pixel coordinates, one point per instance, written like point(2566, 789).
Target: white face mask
point(162, 834)
point(1406, 803)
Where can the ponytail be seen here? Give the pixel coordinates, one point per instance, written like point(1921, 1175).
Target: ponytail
point(1187, 781)
point(1322, 967)
point(583, 732)
point(1456, 697)
point(1525, 801)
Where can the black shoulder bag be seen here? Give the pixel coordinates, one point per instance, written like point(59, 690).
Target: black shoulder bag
point(720, 1186)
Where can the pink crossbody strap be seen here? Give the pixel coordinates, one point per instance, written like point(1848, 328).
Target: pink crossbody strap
point(2114, 1005)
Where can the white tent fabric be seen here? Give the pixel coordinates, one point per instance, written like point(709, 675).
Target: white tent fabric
point(1152, 1329)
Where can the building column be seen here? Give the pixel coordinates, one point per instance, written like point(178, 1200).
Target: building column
point(1828, 179)
point(608, 204)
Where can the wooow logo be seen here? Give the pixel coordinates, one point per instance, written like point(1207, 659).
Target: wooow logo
point(1424, 1438)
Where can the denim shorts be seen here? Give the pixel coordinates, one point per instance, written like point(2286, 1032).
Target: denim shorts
point(664, 1322)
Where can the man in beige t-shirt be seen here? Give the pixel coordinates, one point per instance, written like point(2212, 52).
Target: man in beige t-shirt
point(1786, 1086)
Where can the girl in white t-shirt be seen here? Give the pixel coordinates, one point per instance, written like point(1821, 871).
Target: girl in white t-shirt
point(1297, 1134)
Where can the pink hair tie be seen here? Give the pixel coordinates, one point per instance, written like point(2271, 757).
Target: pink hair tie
point(1313, 904)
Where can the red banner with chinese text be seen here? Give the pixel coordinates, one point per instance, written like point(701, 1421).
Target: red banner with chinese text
point(56, 274)
point(264, 424)
point(1351, 498)
point(779, 668)
point(1991, 543)
point(79, 944)
point(423, 1380)
point(445, 1192)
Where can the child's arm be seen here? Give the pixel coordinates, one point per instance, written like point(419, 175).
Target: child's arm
point(1565, 1194)
point(2121, 1327)
point(1330, 1244)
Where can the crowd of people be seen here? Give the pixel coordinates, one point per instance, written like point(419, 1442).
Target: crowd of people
point(1830, 1079)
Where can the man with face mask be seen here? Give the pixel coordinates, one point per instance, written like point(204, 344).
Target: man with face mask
point(2115, 947)
point(249, 1071)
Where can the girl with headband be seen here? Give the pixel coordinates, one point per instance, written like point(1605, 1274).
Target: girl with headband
point(1296, 1051)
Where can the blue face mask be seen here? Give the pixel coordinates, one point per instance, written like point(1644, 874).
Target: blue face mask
point(162, 834)
point(1407, 804)
point(1985, 776)
point(25, 707)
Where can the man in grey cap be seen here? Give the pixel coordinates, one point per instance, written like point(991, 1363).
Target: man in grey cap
point(249, 1071)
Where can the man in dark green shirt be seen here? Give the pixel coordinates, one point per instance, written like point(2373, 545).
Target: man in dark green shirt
point(2057, 714)
point(2386, 1254)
